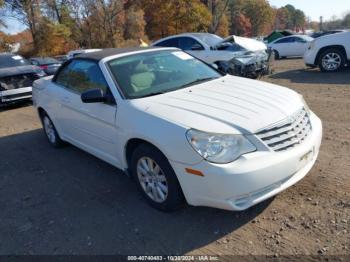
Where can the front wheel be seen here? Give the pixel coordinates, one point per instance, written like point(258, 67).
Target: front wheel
point(156, 179)
point(331, 60)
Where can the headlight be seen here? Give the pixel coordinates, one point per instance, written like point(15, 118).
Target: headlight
point(40, 73)
point(219, 148)
point(312, 45)
point(244, 60)
point(307, 108)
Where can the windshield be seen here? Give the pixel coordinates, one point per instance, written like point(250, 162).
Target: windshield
point(209, 39)
point(152, 73)
point(228, 46)
point(12, 61)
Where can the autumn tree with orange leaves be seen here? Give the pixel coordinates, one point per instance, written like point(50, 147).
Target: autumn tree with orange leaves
point(57, 26)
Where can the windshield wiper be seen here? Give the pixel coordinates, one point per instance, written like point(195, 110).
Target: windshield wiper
point(151, 94)
point(197, 81)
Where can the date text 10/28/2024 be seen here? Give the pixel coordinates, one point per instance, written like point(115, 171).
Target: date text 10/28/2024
point(172, 258)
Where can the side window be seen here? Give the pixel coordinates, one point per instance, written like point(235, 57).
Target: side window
point(188, 43)
point(34, 62)
point(293, 39)
point(285, 40)
point(81, 75)
point(300, 40)
point(169, 43)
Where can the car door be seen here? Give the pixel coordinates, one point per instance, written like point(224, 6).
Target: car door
point(300, 46)
point(284, 46)
point(90, 126)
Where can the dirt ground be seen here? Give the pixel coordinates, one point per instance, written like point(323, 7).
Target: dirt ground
point(68, 202)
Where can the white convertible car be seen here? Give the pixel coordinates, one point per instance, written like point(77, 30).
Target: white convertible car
point(184, 131)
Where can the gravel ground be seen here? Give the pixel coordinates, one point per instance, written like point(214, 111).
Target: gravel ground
point(68, 202)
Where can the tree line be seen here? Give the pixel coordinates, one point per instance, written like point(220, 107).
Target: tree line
point(56, 26)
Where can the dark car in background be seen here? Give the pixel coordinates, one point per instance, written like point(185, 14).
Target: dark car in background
point(48, 64)
point(16, 78)
point(323, 33)
point(61, 58)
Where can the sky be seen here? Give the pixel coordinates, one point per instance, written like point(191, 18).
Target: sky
point(317, 8)
point(312, 8)
point(13, 26)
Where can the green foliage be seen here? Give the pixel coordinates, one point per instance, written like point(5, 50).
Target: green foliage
point(260, 14)
point(59, 25)
point(172, 17)
point(346, 21)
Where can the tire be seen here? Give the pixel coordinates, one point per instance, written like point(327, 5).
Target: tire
point(331, 60)
point(276, 54)
point(160, 187)
point(50, 131)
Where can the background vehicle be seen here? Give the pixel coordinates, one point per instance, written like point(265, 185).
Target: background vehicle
point(74, 53)
point(16, 78)
point(235, 55)
point(288, 46)
point(273, 36)
point(323, 33)
point(182, 129)
point(48, 64)
point(330, 53)
point(61, 58)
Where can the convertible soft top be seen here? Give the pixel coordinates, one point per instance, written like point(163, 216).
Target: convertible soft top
point(99, 55)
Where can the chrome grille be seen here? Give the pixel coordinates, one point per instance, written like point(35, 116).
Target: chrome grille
point(288, 134)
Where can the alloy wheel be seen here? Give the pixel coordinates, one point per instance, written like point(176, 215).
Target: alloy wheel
point(49, 130)
point(152, 179)
point(331, 61)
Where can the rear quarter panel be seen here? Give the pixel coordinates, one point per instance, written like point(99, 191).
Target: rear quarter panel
point(45, 97)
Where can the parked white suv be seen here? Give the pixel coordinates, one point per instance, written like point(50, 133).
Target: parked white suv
point(330, 53)
point(182, 129)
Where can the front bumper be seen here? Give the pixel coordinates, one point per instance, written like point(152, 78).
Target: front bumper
point(15, 95)
point(310, 58)
point(252, 178)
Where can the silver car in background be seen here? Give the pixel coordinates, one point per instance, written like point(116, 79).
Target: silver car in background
point(234, 55)
point(16, 78)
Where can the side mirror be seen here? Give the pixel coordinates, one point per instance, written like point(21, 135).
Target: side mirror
point(215, 66)
point(93, 96)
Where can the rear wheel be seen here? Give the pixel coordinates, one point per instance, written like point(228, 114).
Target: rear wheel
point(276, 54)
point(156, 179)
point(331, 60)
point(50, 131)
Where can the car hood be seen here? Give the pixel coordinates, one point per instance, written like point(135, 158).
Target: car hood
point(226, 105)
point(249, 44)
point(19, 70)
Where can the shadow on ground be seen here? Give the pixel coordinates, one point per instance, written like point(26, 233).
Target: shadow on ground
point(314, 76)
point(68, 202)
point(6, 107)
